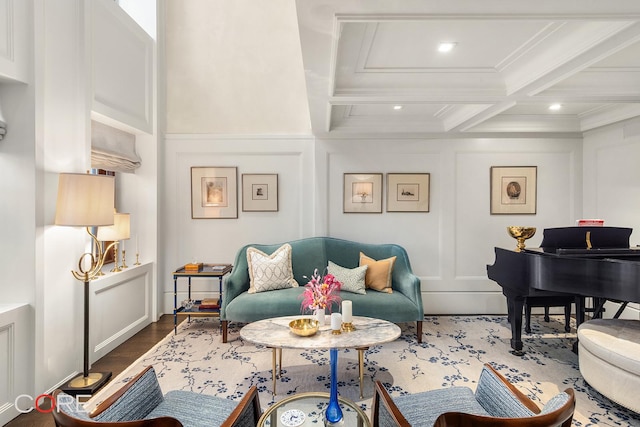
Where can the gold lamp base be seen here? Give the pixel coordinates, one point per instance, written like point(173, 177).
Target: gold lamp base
point(86, 384)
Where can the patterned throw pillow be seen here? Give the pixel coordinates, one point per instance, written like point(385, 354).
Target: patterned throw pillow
point(352, 278)
point(378, 275)
point(270, 272)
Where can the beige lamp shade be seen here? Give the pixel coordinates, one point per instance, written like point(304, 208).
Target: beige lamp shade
point(85, 200)
point(120, 230)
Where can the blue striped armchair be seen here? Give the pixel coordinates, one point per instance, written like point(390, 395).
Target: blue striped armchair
point(140, 403)
point(495, 402)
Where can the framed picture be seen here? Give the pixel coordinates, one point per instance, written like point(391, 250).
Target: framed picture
point(214, 192)
point(259, 192)
point(513, 190)
point(408, 192)
point(362, 193)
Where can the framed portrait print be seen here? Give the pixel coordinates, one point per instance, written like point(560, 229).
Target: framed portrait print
point(259, 192)
point(214, 192)
point(408, 192)
point(362, 193)
point(513, 190)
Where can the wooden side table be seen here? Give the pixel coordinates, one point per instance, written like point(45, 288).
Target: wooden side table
point(208, 270)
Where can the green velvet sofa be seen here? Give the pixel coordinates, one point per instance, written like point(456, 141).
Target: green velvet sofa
point(404, 304)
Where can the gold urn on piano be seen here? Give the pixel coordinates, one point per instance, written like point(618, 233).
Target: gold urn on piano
point(521, 234)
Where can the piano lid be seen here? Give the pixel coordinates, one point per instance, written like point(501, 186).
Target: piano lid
point(576, 237)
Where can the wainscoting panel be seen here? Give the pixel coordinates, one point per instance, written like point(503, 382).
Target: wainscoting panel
point(120, 307)
point(122, 67)
point(14, 22)
point(15, 357)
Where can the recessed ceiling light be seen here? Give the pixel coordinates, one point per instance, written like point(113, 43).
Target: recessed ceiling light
point(555, 107)
point(446, 46)
point(397, 107)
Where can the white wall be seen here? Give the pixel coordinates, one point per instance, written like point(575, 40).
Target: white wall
point(234, 67)
point(218, 240)
point(449, 247)
point(612, 182)
point(48, 109)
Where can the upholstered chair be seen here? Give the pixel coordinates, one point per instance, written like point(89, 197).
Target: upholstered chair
point(495, 402)
point(140, 403)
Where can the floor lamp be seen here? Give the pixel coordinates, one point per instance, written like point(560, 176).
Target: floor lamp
point(86, 201)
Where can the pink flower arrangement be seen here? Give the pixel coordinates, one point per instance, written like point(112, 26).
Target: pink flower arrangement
point(321, 292)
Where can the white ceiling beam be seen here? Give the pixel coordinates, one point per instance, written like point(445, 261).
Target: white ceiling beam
point(609, 116)
point(482, 116)
point(536, 82)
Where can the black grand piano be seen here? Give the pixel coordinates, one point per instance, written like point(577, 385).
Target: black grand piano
point(581, 262)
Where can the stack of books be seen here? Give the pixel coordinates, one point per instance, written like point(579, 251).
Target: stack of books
point(209, 304)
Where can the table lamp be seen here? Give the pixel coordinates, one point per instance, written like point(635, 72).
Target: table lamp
point(86, 201)
point(120, 230)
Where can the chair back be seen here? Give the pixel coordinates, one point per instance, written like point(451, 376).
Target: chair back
point(384, 412)
point(248, 411)
point(562, 416)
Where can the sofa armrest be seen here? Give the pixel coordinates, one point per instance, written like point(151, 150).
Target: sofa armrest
point(404, 281)
point(237, 282)
point(133, 401)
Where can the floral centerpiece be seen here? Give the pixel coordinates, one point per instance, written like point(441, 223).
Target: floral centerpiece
point(320, 292)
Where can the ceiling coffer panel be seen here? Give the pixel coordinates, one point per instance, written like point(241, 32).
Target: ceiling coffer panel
point(374, 67)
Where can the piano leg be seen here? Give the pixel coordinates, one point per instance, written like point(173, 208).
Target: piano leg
point(580, 310)
point(580, 313)
point(515, 303)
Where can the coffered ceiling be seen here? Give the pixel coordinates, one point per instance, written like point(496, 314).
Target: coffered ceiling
point(373, 67)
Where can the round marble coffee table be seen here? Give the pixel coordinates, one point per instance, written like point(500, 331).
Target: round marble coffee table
point(275, 334)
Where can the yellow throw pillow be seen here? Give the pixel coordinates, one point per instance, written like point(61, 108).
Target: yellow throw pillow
point(378, 276)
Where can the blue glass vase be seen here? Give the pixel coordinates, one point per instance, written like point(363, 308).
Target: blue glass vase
point(333, 415)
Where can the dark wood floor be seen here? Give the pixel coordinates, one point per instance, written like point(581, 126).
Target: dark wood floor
point(116, 361)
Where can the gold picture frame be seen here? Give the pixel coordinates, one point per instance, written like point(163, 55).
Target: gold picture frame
point(214, 192)
point(513, 190)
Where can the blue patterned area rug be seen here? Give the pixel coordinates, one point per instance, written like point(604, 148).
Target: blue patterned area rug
point(453, 351)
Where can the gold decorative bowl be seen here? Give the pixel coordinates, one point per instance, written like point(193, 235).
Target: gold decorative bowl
point(304, 327)
point(521, 234)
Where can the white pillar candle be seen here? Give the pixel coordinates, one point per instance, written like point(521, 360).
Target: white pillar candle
point(346, 311)
point(336, 321)
point(137, 251)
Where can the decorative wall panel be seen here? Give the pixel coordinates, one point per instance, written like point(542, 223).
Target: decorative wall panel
point(122, 67)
